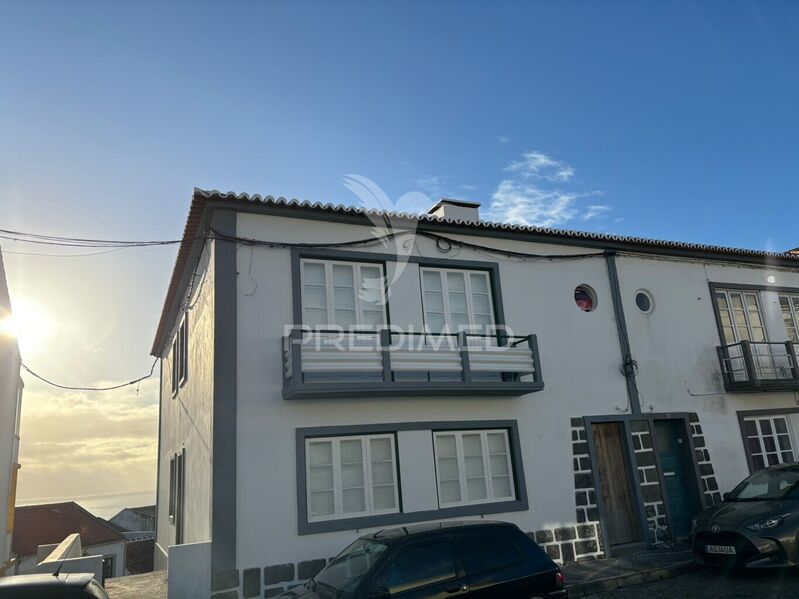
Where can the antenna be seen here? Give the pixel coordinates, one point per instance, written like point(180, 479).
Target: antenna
point(58, 569)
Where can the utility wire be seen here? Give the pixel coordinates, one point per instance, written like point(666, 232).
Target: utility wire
point(70, 388)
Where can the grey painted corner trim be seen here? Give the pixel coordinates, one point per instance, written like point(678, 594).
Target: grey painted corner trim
point(158, 462)
point(223, 485)
point(742, 414)
point(621, 326)
point(519, 504)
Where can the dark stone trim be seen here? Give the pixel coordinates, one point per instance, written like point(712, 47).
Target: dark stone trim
point(226, 579)
point(519, 504)
point(621, 326)
point(223, 485)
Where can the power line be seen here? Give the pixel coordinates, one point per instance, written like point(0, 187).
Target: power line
point(70, 388)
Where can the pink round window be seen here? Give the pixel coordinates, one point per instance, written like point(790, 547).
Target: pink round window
point(585, 298)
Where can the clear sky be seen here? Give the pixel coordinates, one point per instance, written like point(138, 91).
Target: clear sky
point(672, 120)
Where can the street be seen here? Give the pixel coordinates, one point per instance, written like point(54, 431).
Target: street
point(713, 584)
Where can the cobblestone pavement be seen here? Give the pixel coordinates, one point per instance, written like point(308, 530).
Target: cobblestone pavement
point(141, 586)
point(710, 583)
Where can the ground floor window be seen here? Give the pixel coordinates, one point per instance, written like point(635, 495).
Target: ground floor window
point(351, 476)
point(108, 567)
point(768, 440)
point(473, 467)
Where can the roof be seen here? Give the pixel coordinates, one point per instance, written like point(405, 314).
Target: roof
point(139, 556)
point(202, 199)
point(41, 581)
point(145, 510)
point(50, 523)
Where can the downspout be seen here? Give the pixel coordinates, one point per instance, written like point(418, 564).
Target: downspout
point(629, 367)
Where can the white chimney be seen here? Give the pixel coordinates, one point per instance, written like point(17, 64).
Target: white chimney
point(456, 210)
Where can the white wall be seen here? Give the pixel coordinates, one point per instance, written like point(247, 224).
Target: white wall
point(10, 403)
point(189, 573)
point(186, 419)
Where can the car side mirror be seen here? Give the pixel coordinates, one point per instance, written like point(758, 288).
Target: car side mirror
point(380, 593)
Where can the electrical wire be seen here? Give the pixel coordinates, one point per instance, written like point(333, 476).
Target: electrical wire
point(70, 388)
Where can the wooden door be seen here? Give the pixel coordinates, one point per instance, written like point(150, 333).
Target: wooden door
point(616, 484)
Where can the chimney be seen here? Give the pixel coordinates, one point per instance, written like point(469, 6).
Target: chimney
point(794, 251)
point(456, 210)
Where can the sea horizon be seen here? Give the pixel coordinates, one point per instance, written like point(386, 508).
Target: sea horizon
point(104, 506)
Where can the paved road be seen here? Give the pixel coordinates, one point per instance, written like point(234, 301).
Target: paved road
point(715, 584)
point(141, 586)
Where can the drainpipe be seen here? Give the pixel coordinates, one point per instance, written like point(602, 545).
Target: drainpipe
point(629, 367)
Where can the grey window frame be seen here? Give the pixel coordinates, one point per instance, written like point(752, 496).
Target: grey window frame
point(519, 504)
point(180, 356)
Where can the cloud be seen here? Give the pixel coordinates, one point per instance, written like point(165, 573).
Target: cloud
point(467, 187)
point(503, 139)
point(535, 193)
point(537, 165)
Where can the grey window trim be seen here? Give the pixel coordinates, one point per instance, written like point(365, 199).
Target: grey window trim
point(519, 504)
point(714, 286)
point(742, 414)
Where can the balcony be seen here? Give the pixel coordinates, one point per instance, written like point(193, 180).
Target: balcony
point(759, 366)
point(329, 364)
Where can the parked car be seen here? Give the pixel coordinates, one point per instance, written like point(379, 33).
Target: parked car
point(757, 524)
point(476, 559)
point(48, 586)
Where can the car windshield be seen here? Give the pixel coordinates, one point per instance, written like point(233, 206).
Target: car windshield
point(768, 485)
point(345, 572)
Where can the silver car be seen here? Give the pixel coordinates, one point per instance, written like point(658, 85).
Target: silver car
point(756, 525)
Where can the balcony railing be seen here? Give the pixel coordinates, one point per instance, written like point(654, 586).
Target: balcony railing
point(759, 366)
point(323, 364)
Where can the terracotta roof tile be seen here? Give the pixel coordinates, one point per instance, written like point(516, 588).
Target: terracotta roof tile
point(50, 523)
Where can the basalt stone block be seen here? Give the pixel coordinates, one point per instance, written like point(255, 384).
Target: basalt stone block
point(651, 493)
point(699, 441)
point(575, 436)
point(591, 497)
point(706, 469)
point(577, 422)
point(636, 442)
point(712, 485)
point(567, 533)
point(639, 426)
point(278, 573)
point(576, 464)
point(251, 586)
point(581, 498)
point(650, 511)
point(226, 579)
point(273, 592)
point(544, 536)
point(645, 458)
point(584, 480)
point(580, 448)
point(585, 547)
point(593, 514)
point(646, 441)
point(585, 463)
point(567, 551)
point(310, 568)
point(585, 531)
point(693, 417)
point(581, 517)
point(553, 551)
point(226, 595)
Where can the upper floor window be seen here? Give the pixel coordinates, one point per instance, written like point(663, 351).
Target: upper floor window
point(351, 476)
point(180, 356)
point(740, 315)
point(456, 300)
point(789, 304)
point(345, 294)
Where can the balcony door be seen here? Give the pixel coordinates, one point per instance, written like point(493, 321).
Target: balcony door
point(741, 319)
point(457, 300)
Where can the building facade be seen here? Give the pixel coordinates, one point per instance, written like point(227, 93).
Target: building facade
point(330, 371)
point(10, 411)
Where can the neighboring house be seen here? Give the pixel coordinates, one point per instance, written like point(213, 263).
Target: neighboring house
point(50, 524)
point(136, 519)
point(10, 410)
point(633, 382)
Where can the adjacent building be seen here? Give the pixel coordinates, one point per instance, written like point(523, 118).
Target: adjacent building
point(10, 410)
point(328, 371)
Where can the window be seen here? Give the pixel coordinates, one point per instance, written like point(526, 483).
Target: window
point(351, 476)
point(108, 567)
point(473, 467)
point(419, 566)
point(643, 300)
point(456, 300)
point(768, 440)
point(789, 304)
point(177, 489)
point(484, 550)
point(585, 298)
point(740, 315)
point(180, 362)
point(345, 294)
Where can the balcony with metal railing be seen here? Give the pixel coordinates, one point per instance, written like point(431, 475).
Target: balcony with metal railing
point(328, 363)
point(749, 366)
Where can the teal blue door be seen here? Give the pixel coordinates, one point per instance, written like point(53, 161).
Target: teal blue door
point(681, 492)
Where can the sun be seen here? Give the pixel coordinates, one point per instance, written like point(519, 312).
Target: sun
point(30, 323)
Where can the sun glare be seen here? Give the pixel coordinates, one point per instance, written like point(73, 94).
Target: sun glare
point(29, 323)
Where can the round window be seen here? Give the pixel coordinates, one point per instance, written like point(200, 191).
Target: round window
point(644, 301)
point(585, 298)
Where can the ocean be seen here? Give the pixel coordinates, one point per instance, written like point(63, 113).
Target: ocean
point(104, 506)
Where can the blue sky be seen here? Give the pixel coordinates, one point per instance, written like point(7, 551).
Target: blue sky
point(672, 120)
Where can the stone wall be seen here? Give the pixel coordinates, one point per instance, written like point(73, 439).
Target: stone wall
point(710, 487)
point(584, 495)
point(648, 477)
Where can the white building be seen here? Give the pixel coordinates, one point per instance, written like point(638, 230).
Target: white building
point(633, 383)
point(10, 407)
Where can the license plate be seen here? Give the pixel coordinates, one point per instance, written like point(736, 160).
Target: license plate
point(720, 549)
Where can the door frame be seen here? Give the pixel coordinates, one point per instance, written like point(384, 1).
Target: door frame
point(625, 420)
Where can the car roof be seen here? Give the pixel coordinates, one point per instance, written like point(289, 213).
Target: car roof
point(788, 466)
point(392, 535)
point(45, 580)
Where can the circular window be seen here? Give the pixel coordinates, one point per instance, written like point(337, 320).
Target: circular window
point(585, 298)
point(644, 301)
